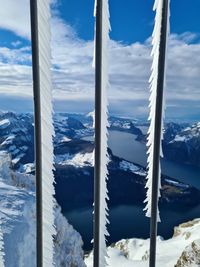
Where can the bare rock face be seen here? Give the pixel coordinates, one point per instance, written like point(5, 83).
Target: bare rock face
point(190, 256)
point(123, 246)
point(184, 228)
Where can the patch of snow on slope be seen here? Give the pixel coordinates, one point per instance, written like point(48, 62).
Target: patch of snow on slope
point(8, 140)
point(135, 252)
point(177, 184)
point(16, 160)
point(65, 139)
point(79, 160)
point(179, 138)
point(188, 134)
point(4, 123)
point(125, 165)
point(27, 168)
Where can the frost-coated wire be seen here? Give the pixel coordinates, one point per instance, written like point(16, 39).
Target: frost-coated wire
point(104, 132)
point(44, 38)
point(153, 81)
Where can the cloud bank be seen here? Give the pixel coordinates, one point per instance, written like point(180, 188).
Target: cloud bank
point(73, 75)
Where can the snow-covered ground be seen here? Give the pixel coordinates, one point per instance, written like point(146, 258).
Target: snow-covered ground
point(18, 223)
point(4, 123)
point(129, 166)
point(78, 160)
point(182, 250)
point(188, 133)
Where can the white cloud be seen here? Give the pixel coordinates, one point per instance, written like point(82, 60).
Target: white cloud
point(17, 55)
point(15, 16)
point(15, 80)
point(73, 74)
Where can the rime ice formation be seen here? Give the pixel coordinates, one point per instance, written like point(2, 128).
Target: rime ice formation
point(48, 202)
point(158, 6)
point(104, 133)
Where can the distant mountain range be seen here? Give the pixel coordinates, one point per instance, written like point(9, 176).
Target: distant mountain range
point(74, 159)
point(181, 141)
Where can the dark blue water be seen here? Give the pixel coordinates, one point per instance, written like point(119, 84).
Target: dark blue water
point(125, 146)
point(129, 221)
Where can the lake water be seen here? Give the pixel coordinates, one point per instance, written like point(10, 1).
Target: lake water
point(129, 221)
point(125, 146)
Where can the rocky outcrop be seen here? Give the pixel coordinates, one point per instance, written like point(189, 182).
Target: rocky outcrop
point(182, 250)
point(190, 257)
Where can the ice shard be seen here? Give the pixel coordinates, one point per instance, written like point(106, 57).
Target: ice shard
point(156, 102)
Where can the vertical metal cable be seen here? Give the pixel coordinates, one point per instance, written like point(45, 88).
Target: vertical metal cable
point(38, 139)
point(98, 106)
point(157, 134)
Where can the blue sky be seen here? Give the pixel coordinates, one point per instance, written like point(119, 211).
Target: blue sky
point(131, 19)
point(72, 52)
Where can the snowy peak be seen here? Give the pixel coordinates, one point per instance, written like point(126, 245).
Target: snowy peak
point(172, 129)
point(182, 143)
point(123, 124)
point(78, 160)
point(193, 131)
point(16, 136)
point(182, 250)
point(4, 124)
point(188, 133)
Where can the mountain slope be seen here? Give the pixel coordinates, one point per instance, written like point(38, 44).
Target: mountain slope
point(17, 206)
point(184, 147)
point(182, 250)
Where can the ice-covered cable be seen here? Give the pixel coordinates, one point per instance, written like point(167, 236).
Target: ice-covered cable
point(47, 131)
point(156, 40)
point(104, 132)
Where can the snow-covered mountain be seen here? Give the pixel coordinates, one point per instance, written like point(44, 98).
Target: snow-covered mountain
point(18, 223)
point(125, 125)
point(181, 142)
point(16, 137)
point(185, 145)
point(74, 158)
point(17, 133)
point(182, 250)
